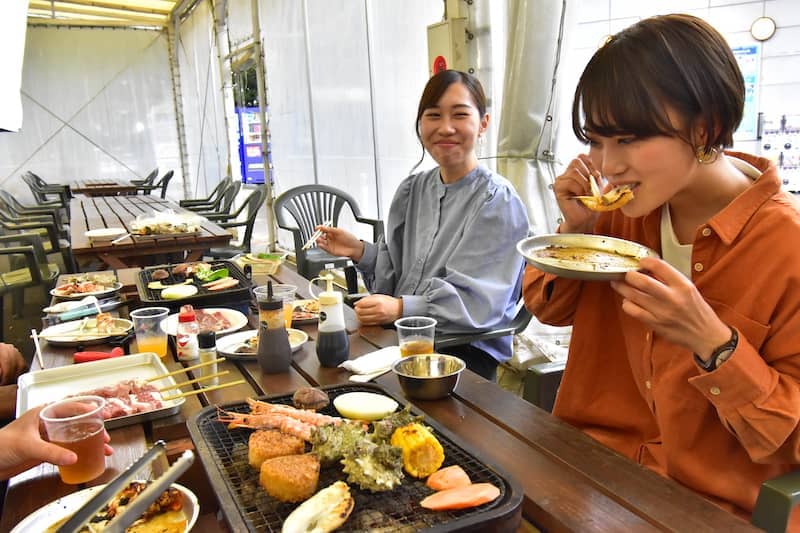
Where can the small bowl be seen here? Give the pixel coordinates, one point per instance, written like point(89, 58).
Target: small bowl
point(428, 377)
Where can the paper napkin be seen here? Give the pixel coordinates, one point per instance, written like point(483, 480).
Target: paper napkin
point(373, 361)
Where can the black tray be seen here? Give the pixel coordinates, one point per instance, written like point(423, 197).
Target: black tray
point(236, 297)
point(247, 507)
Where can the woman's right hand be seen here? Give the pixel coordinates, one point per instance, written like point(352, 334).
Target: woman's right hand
point(575, 182)
point(337, 241)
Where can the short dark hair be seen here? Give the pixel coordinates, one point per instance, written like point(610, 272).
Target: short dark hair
point(439, 83)
point(672, 61)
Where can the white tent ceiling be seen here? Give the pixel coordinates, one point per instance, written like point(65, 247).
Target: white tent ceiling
point(115, 13)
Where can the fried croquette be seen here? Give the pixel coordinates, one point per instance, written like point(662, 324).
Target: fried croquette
point(268, 443)
point(290, 478)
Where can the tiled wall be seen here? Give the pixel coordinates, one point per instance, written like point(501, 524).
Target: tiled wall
point(779, 90)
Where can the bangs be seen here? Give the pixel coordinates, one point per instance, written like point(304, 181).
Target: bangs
point(613, 98)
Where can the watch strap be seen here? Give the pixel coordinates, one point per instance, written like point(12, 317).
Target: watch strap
point(720, 354)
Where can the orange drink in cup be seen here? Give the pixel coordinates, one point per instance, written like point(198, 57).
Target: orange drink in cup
point(280, 291)
point(77, 424)
point(150, 336)
point(415, 335)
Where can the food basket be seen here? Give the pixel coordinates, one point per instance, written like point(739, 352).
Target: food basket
point(247, 507)
point(237, 297)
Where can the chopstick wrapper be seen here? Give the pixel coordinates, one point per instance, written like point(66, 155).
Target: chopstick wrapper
point(372, 362)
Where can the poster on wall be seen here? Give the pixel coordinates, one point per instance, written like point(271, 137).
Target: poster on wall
point(749, 59)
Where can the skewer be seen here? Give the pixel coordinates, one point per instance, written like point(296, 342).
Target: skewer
point(182, 370)
point(192, 381)
point(38, 348)
point(205, 389)
point(317, 234)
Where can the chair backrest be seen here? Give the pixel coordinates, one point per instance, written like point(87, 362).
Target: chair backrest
point(312, 205)
point(254, 203)
point(35, 188)
point(229, 196)
point(151, 177)
point(163, 182)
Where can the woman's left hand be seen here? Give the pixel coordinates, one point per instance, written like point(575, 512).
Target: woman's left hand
point(670, 304)
point(378, 309)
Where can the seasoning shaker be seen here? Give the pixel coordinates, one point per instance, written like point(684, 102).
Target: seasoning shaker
point(207, 348)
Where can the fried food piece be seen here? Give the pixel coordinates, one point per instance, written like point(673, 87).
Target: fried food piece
point(268, 443)
point(325, 511)
point(105, 323)
point(290, 478)
point(613, 199)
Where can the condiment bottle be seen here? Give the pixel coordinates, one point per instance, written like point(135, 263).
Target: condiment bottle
point(186, 337)
point(333, 344)
point(274, 352)
point(207, 344)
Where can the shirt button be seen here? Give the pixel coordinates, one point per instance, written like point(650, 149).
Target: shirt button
point(706, 232)
point(698, 267)
point(648, 384)
point(715, 391)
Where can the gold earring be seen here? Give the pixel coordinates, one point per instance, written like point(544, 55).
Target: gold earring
point(706, 157)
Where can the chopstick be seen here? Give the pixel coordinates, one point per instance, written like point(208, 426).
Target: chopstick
point(120, 238)
point(317, 234)
point(38, 348)
point(192, 381)
point(204, 389)
point(182, 370)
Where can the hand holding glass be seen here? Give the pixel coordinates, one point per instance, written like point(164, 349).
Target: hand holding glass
point(77, 424)
point(415, 335)
point(150, 336)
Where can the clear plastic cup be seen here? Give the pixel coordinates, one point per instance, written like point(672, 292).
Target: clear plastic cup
point(415, 335)
point(77, 424)
point(150, 336)
point(280, 291)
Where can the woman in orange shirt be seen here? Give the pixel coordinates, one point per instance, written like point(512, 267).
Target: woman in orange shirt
point(691, 365)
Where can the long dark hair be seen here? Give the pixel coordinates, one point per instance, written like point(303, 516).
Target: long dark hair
point(434, 90)
point(676, 61)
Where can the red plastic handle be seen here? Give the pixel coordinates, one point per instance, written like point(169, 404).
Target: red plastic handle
point(85, 357)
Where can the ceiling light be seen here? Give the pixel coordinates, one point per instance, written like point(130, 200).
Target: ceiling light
point(762, 28)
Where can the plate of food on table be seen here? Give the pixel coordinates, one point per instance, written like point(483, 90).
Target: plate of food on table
point(136, 388)
point(583, 256)
point(175, 511)
point(370, 463)
point(217, 319)
point(85, 331)
point(305, 312)
point(244, 344)
point(166, 224)
point(82, 285)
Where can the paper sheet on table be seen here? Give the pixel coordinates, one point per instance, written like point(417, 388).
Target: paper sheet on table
point(373, 361)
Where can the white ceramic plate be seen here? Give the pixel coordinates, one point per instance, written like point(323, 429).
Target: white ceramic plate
point(69, 333)
point(237, 320)
point(227, 345)
point(107, 290)
point(583, 256)
point(105, 234)
point(63, 507)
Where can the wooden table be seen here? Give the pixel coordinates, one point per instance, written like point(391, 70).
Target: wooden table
point(88, 213)
point(570, 482)
point(102, 187)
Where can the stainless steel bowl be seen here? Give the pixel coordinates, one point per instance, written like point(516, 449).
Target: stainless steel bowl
point(428, 377)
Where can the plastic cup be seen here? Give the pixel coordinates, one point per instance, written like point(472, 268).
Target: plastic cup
point(150, 336)
point(77, 424)
point(279, 292)
point(415, 335)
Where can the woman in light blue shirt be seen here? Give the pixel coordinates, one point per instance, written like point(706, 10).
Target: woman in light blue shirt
point(449, 249)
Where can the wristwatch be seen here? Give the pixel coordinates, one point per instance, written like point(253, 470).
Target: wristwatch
point(720, 355)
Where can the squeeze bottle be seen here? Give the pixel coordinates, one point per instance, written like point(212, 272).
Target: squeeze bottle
point(186, 337)
point(333, 344)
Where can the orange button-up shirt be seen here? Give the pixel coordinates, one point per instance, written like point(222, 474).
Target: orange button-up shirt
point(721, 433)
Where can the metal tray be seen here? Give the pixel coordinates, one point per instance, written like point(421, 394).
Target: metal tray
point(247, 507)
point(597, 268)
point(42, 386)
point(235, 297)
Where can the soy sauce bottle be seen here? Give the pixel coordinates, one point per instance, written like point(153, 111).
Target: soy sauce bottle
point(274, 352)
point(333, 344)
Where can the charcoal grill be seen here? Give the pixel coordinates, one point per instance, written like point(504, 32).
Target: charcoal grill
point(248, 507)
point(237, 297)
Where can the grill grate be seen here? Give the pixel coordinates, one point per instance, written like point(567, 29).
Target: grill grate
point(224, 455)
point(238, 296)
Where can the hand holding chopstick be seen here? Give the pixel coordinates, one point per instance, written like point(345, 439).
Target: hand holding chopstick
point(317, 234)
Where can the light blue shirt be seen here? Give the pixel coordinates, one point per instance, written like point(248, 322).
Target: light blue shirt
point(450, 252)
